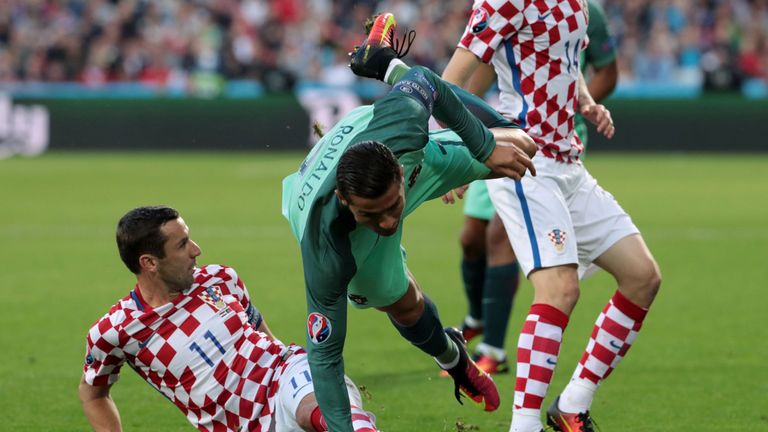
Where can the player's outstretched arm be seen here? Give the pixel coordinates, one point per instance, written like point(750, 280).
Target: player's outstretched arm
point(603, 81)
point(516, 137)
point(326, 276)
point(595, 113)
point(461, 67)
point(326, 325)
point(264, 329)
point(99, 407)
point(504, 137)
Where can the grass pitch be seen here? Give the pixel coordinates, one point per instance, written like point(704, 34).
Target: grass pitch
point(699, 363)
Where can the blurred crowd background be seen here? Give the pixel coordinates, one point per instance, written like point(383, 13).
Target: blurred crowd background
point(174, 44)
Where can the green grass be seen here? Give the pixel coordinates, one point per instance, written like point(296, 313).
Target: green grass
point(699, 363)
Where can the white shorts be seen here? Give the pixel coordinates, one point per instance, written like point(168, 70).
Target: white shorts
point(293, 385)
point(561, 216)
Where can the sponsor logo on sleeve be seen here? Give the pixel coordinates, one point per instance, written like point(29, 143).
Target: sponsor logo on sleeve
point(479, 20)
point(318, 328)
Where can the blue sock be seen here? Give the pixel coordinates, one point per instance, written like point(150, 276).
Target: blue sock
point(428, 335)
point(498, 294)
point(473, 274)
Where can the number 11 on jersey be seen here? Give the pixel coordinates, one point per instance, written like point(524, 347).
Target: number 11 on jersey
point(201, 352)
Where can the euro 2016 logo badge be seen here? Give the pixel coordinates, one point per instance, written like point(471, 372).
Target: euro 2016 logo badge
point(557, 237)
point(318, 328)
point(479, 21)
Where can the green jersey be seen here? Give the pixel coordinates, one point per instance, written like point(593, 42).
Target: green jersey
point(600, 52)
point(344, 261)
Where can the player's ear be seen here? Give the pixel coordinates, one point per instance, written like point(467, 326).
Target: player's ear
point(341, 198)
point(148, 262)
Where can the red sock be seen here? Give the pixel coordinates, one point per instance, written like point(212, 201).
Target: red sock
point(614, 332)
point(537, 351)
point(318, 422)
point(361, 420)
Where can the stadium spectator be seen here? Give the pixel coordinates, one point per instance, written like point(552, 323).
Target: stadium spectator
point(100, 41)
point(561, 223)
point(347, 202)
point(195, 336)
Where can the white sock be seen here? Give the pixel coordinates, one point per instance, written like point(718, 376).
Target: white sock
point(472, 322)
point(451, 363)
point(526, 420)
point(577, 396)
point(394, 63)
point(491, 351)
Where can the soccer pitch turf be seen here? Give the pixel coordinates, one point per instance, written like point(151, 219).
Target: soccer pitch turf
point(698, 364)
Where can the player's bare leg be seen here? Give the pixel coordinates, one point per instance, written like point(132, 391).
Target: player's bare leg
point(636, 271)
point(615, 330)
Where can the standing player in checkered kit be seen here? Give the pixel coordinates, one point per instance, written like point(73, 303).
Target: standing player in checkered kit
point(561, 223)
point(488, 265)
point(194, 335)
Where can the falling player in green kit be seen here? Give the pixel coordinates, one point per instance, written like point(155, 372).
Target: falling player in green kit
point(347, 202)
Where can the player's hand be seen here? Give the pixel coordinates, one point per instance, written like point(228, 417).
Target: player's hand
point(517, 137)
point(449, 198)
point(509, 161)
point(598, 115)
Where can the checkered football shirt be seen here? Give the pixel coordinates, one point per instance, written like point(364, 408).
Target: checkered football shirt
point(200, 351)
point(535, 47)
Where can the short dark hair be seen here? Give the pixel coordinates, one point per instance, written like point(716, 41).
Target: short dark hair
point(138, 232)
point(367, 170)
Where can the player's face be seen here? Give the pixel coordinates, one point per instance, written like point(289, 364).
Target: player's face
point(381, 214)
point(176, 269)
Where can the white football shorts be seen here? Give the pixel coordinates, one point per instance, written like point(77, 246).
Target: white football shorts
point(293, 385)
point(561, 216)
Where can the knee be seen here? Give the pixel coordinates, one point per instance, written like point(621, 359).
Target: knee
point(569, 294)
point(472, 243)
point(652, 280)
point(558, 287)
point(472, 237)
point(643, 284)
point(498, 246)
point(408, 311)
point(564, 297)
point(304, 414)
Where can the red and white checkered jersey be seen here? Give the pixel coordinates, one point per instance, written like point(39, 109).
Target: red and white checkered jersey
point(534, 46)
point(200, 351)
